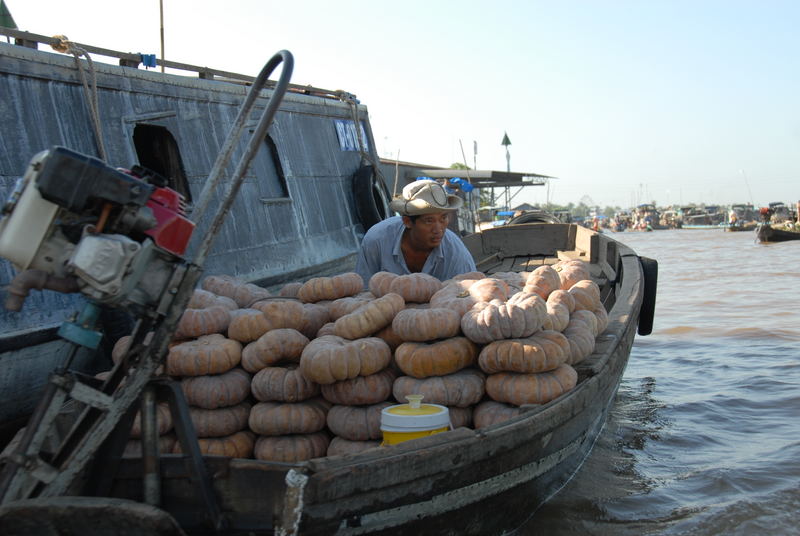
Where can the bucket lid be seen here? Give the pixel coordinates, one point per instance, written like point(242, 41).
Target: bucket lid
point(415, 415)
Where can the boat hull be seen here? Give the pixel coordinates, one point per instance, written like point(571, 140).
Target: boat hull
point(448, 483)
point(769, 233)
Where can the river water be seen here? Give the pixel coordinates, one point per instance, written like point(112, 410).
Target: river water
point(704, 435)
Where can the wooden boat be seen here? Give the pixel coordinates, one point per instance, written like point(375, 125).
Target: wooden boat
point(309, 196)
point(462, 481)
point(777, 232)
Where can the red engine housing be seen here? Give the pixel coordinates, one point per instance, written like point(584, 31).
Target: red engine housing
point(173, 230)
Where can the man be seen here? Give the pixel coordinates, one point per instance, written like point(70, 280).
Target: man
point(418, 240)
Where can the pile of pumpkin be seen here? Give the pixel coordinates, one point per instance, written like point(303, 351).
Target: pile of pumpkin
point(305, 373)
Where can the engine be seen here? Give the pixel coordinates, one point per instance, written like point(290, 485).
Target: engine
point(116, 235)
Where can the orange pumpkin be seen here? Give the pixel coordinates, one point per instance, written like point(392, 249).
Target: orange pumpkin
point(521, 316)
point(357, 423)
point(572, 271)
point(490, 412)
point(586, 294)
point(282, 384)
point(247, 325)
point(344, 306)
point(520, 389)
point(340, 446)
point(543, 351)
point(329, 358)
point(581, 341)
point(417, 287)
point(370, 318)
point(459, 389)
point(380, 282)
point(217, 391)
point(315, 316)
point(426, 324)
point(238, 445)
point(488, 289)
point(282, 313)
point(275, 346)
point(220, 422)
point(244, 294)
point(279, 418)
point(290, 290)
point(361, 390)
point(209, 354)
point(292, 448)
point(202, 298)
point(439, 358)
point(330, 288)
point(455, 296)
point(163, 421)
point(460, 417)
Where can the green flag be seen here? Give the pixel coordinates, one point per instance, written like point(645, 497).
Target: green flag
point(505, 141)
point(5, 16)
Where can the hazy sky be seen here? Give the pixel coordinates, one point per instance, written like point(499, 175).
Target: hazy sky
point(624, 101)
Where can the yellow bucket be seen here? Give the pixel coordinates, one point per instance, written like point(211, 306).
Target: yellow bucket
point(413, 420)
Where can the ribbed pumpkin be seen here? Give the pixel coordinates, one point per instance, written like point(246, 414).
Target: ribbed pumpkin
point(315, 316)
point(163, 421)
point(202, 298)
point(586, 317)
point(543, 281)
point(196, 322)
point(562, 297)
point(282, 384)
point(514, 280)
point(586, 294)
point(519, 389)
point(123, 344)
point(488, 289)
point(330, 288)
point(342, 447)
point(247, 325)
point(570, 272)
point(244, 294)
point(388, 334)
point(468, 275)
point(217, 391)
point(557, 316)
point(282, 313)
point(357, 423)
point(279, 418)
point(361, 390)
point(290, 290)
point(460, 417)
point(490, 412)
point(416, 288)
point(209, 354)
point(370, 318)
point(426, 324)
point(380, 283)
point(344, 306)
point(329, 358)
point(521, 316)
point(581, 341)
point(421, 360)
point(326, 329)
point(275, 346)
point(292, 448)
point(459, 389)
point(220, 422)
point(543, 351)
point(238, 445)
point(455, 296)
point(602, 319)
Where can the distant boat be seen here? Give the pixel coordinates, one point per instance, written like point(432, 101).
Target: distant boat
point(777, 232)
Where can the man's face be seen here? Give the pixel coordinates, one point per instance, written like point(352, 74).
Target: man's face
point(428, 230)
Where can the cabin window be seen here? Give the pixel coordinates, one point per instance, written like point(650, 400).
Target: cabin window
point(158, 151)
point(267, 168)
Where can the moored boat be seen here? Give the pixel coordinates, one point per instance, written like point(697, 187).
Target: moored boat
point(777, 232)
point(462, 481)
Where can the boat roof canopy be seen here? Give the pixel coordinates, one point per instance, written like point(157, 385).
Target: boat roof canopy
point(490, 178)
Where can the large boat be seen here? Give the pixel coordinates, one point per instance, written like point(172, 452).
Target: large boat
point(777, 232)
point(297, 216)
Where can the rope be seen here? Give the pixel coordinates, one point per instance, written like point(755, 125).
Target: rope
point(64, 45)
point(349, 99)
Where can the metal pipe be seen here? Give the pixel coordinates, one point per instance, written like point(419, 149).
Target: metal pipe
point(150, 447)
point(39, 280)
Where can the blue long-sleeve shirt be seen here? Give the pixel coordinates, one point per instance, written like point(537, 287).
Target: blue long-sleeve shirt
point(380, 252)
